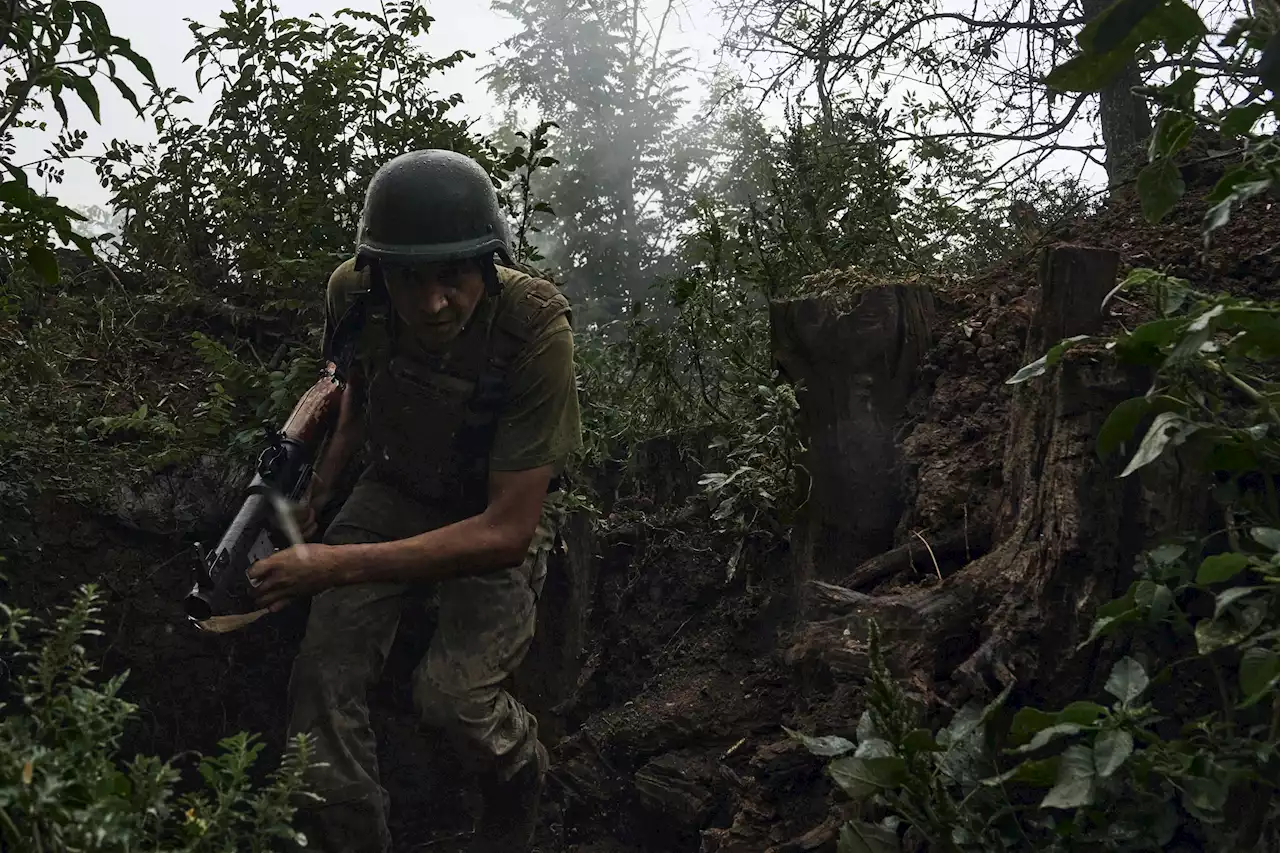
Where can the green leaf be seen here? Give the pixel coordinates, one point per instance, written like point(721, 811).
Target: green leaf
point(85, 89)
point(1106, 624)
point(1028, 721)
point(1176, 23)
point(1238, 28)
point(1117, 606)
point(1127, 681)
point(1204, 797)
point(1160, 185)
point(860, 778)
point(1142, 345)
point(1268, 68)
point(1167, 555)
point(1221, 567)
point(1161, 604)
point(1173, 132)
point(1037, 772)
point(920, 740)
point(1185, 85)
point(1088, 73)
point(1046, 736)
point(1240, 120)
point(1168, 428)
point(862, 837)
point(1075, 786)
point(1229, 629)
point(1111, 750)
point(1220, 213)
point(15, 193)
point(866, 727)
point(44, 262)
point(875, 748)
point(1081, 713)
point(1114, 26)
point(827, 747)
point(1267, 537)
point(128, 95)
point(1228, 597)
point(1120, 425)
point(139, 62)
point(1259, 667)
point(55, 95)
point(1040, 365)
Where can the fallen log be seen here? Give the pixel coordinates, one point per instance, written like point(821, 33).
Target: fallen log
point(917, 555)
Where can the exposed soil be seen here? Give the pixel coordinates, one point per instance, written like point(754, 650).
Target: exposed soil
point(674, 739)
point(961, 412)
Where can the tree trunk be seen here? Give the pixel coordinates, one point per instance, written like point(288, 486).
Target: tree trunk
point(854, 357)
point(1124, 115)
point(1066, 541)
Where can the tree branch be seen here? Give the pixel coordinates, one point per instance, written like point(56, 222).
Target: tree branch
point(891, 39)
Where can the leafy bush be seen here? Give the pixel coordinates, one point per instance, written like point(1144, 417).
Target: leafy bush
point(50, 49)
point(63, 785)
point(693, 364)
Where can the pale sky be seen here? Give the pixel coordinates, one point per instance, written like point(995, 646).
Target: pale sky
point(159, 32)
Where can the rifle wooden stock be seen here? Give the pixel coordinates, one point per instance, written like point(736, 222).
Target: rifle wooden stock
point(284, 467)
point(312, 417)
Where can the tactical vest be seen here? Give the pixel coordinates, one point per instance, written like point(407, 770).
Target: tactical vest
point(431, 423)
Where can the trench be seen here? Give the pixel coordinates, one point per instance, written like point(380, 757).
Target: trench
point(952, 509)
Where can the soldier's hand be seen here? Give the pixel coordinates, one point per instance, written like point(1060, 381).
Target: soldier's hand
point(304, 514)
point(295, 572)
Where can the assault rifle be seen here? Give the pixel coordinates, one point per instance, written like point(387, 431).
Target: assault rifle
point(284, 470)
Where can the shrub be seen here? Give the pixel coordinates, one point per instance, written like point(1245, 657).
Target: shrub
point(63, 785)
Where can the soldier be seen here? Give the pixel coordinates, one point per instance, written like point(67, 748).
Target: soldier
point(461, 391)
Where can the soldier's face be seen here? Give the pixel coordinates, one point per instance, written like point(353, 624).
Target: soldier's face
point(435, 300)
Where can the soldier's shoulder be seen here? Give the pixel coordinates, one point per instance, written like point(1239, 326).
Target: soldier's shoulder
point(530, 302)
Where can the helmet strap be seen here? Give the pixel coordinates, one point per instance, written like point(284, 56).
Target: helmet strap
point(489, 271)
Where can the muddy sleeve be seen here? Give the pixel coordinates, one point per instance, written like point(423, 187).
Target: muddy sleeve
point(541, 423)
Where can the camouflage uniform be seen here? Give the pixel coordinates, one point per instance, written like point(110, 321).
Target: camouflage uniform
point(486, 622)
point(485, 626)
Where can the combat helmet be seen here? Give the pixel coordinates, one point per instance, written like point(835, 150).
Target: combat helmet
point(428, 206)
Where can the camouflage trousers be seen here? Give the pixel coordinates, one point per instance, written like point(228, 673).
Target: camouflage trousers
point(485, 626)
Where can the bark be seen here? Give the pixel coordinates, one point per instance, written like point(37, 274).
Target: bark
point(1124, 115)
point(1067, 536)
point(854, 359)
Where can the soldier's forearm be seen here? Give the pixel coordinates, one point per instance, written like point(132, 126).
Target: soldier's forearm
point(498, 538)
point(337, 456)
point(473, 546)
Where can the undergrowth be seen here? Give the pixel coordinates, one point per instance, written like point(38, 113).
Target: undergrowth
point(1183, 750)
point(65, 786)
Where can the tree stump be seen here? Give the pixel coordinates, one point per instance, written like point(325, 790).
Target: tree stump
point(1068, 534)
point(854, 358)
